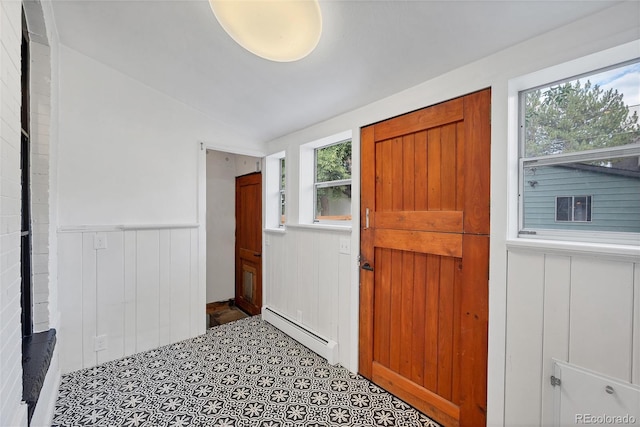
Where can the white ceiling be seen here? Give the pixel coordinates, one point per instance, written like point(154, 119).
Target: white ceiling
point(368, 50)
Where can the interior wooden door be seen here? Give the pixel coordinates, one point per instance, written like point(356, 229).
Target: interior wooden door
point(424, 260)
point(249, 243)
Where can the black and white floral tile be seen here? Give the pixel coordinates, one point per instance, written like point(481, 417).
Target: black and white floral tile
point(242, 374)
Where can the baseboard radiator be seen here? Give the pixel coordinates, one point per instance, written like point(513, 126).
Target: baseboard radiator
point(323, 346)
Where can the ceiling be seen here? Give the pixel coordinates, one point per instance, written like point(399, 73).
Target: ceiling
point(368, 50)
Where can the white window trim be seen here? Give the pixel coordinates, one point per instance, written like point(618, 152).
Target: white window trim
point(307, 180)
point(573, 239)
point(282, 189)
point(272, 191)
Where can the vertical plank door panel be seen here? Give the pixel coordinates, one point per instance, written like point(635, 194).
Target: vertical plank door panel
point(395, 332)
point(445, 327)
point(405, 345)
point(418, 314)
point(421, 181)
point(434, 169)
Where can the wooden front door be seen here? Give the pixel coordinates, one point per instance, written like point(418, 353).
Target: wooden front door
point(424, 261)
point(249, 242)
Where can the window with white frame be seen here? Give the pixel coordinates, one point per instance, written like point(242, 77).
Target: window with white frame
point(282, 216)
point(275, 196)
point(332, 182)
point(579, 156)
point(573, 208)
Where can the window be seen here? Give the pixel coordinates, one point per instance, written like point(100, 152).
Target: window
point(332, 182)
point(282, 193)
point(580, 144)
point(573, 208)
point(275, 196)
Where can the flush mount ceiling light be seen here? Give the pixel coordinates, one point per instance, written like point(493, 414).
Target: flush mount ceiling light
point(278, 30)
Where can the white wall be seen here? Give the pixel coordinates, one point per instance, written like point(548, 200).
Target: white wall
point(129, 166)
point(222, 170)
point(613, 26)
point(128, 153)
point(221, 225)
point(247, 164)
point(40, 105)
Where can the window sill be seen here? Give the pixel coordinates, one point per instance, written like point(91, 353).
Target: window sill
point(327, 227)
point(612, 251)
point(279, 230)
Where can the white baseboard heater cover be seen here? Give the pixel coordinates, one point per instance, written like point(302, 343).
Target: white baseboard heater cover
point(324, 347)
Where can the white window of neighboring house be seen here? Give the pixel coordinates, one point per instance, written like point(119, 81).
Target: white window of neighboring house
point(579, 141)
point(573, 208)
point(332, 182)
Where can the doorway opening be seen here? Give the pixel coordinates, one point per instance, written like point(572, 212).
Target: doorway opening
point(222, 169)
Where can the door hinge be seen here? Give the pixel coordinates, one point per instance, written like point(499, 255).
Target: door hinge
point(555, 381)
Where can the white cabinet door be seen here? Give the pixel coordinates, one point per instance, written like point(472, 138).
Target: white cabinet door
point(585, 397)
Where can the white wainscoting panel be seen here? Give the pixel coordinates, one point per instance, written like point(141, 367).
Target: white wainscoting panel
point(88, 303)
point(557, 291)
point(140, 292)
point(636, 325)
point(110, 295)
point(130, 275)
point(147, 287)
point(308, 280)
point(575, 308)
point(524, 338)
point(70, 298)
point(602, 316)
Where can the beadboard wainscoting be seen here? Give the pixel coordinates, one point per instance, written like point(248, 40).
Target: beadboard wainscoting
point(307, 279)
point(125, 290)
point(580, 309)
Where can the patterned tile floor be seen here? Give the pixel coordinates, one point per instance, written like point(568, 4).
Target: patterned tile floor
point(243, 374)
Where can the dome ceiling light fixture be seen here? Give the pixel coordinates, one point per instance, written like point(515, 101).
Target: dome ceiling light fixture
point(277, 30)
